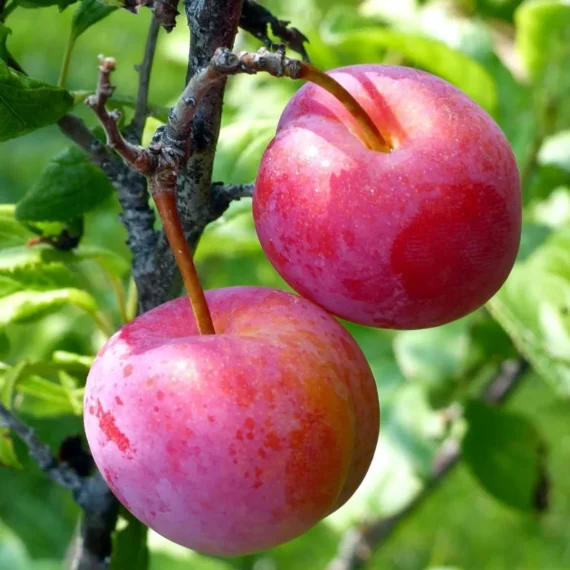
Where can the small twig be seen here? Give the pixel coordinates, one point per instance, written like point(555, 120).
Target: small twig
point(90, 493)
point(136, 127)
point(255, 19)
point(93, 548)
point(359, 544)
point(140, 159)
point(224, 194)
point(41, 453)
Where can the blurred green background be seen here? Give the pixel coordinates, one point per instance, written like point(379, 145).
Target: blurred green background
point(513, 58)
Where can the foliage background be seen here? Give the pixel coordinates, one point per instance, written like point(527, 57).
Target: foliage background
point(510, 56)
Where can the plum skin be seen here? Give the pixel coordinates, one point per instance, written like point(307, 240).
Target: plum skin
point(410, 239)
point(236, 442)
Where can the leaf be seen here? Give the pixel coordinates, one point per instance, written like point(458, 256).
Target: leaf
point(543, 38)
point(17, 258)
point(533, 236)
point(4, 345)
point(5, 31)
point(68, 187)
point(88, 13)
point(74, 361)
point(505, 453)
point(533, 308)
point(69, 385)
point(433, 355)
point(11, 377)
point(427, 53)
point(240, 149)
point(26, 306)
point(27, 104)
point(555, 151)
point(130, 551)
point(8, 457)
point(44, 278)
point(61, 4)
point(12, 233)
point(503, 9)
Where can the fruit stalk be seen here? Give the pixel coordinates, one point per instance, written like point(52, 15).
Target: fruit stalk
point(225, 62)
point(373, 138)
point(166, 206)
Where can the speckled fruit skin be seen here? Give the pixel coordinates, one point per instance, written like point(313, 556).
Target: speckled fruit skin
point(409, 239)
point(235, 442)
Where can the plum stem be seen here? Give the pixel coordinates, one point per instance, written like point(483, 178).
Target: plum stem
point(225, 62)
point(166, 206)
point(369, 131)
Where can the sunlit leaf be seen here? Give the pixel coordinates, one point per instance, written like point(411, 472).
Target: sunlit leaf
point(533, 308)
point(427, 53)
point(26, 306)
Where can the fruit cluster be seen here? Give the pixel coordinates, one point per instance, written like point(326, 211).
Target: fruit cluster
point(239, 441)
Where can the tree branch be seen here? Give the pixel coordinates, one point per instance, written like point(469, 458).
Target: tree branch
point(359, 544)
point(136, 127)
point(255, 19)
point(212, 24)
point(91, 494)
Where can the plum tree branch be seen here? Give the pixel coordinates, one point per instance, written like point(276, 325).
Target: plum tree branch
point(256, 19)
point(91, 494)
point(359, 544)
point(136, 128)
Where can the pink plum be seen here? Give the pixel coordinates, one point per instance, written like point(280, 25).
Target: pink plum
point(239, 441)
point(413, 238)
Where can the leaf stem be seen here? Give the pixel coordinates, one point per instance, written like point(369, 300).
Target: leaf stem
point(66, 61)
point(166, 206)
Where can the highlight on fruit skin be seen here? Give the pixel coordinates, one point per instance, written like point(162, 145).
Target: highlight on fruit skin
point(235, 442)
point(410, 239)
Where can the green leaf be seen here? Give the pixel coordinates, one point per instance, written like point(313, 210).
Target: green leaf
point(5, 31)
point(533, 308)
point(61, 4)
point(4, 345)
point(12, 232)
point(543, 39)
point(505, 453)
point(130, 551)
point(88, 13)
point(11, 377)
point(427, 53)
point(434, 355)
point(8, 382)
point(8, 457)
point(18, 258)
point(26, 306)
point(44, 278)
point(503, 9)
point(43, 389)
point(27, 104)
point(533, 236)
point(69, 385)
point(68, 187)
point(74, 361)
point(240, 149)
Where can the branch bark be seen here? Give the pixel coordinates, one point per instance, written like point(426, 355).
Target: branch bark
point(359, 544)
point(212, 24)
